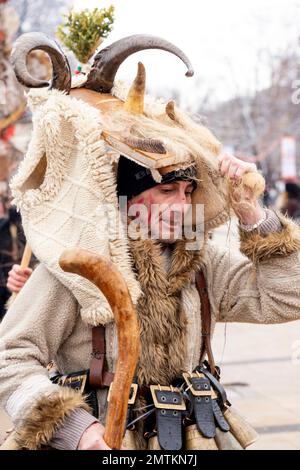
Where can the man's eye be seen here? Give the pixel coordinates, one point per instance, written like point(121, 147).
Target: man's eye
point(189, 193)
point(167, 190)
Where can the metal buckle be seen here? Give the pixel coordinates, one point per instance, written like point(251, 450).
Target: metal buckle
point(132, 393)
point(61, 380)
point(68, 381)
point(167, 406)
point(197, 393)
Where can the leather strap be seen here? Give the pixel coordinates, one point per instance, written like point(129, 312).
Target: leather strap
point(202, 406)
point(99, 377)
point(206, 321)
point(169, 421)
point(215, 383)
point(220, 420)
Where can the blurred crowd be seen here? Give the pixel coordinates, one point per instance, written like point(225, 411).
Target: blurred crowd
point(12, 243)
point(284, 198)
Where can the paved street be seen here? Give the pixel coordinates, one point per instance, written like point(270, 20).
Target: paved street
point(261, 367)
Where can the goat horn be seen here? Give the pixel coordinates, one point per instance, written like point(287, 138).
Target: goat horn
point(108, 60)
point(28, 42)
point(170, 110)
point(135, 99)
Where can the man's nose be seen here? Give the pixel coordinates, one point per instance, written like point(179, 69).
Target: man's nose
point(181, 205)
point(183, 200)
point(181, 196)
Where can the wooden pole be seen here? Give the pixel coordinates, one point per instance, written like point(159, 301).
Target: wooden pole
point(27, 253)
point(104, 274)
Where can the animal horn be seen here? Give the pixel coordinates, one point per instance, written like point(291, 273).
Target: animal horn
point(108, 60)
point(135, 99)
point(170, 110)
point(61, 79)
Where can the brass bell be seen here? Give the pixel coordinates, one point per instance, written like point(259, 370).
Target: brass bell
point(195, 441)
point(153, 443)
point(240, 428)
point(129, 441)
point(226, 441)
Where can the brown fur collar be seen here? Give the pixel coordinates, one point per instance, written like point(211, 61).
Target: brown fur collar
point(262, 247)
point(46, 416)
point(162, 320)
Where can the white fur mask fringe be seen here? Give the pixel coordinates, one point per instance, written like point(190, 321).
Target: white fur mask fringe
point(74, 203)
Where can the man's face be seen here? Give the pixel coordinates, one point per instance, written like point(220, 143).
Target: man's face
point(161, 210)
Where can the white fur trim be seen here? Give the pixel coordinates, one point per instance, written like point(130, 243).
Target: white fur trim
point(25, 396)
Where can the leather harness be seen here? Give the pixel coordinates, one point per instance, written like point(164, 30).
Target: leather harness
point(99, 375)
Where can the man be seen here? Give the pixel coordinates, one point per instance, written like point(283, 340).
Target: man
point(81, 430)
point(67, 190)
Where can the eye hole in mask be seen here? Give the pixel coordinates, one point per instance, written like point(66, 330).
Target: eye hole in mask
point(36, 178)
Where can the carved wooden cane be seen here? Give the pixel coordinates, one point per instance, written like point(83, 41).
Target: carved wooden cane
point(104, 274)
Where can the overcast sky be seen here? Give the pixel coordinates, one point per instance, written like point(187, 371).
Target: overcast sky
point(221, 38)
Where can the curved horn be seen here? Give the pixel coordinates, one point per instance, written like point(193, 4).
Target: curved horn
point(170, 110)
point(148, 145)
point(108, 60)
point(107, 278)
point(135, 99)
point(28, 42)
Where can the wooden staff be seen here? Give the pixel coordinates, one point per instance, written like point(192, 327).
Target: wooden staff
point(27, 253)
point(107, 278)
point(104, 274)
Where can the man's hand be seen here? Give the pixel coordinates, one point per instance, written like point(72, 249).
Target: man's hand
point(233, 167)
point(92, 438)
point(17, 277)
point(243, 199)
